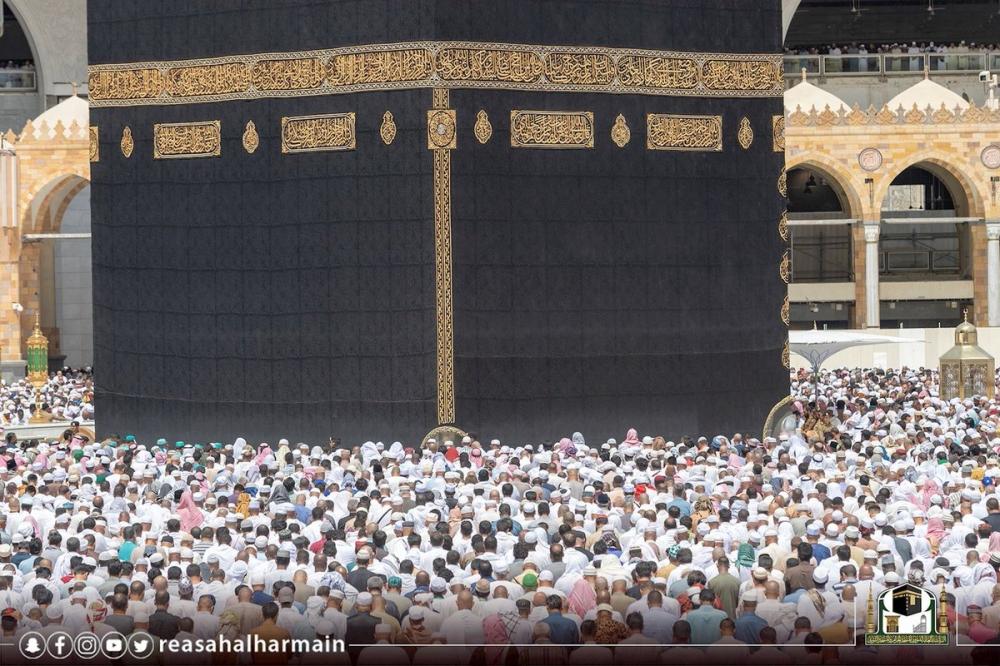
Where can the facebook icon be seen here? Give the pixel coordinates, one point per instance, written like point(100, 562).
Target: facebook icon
point(60, 645)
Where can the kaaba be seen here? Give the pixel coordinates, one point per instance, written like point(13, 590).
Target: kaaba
point(364, 219)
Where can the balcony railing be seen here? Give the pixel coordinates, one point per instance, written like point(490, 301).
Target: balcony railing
point(17, 80)
point(919, 261)
point(891, 64)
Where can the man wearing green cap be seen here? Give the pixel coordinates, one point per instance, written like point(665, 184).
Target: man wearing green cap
point(394, 594)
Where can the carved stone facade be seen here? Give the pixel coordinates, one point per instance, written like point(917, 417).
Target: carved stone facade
point(53, 165)
point(861, 152)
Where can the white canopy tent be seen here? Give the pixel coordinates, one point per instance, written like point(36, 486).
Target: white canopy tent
point(817, 346)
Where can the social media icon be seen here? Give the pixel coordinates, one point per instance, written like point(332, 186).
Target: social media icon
point(60, 645)
point(141, 645)
point(113, 645)
point(87, 646)
point(31, 645)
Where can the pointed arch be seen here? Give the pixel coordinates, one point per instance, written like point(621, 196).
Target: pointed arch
point(839, 178)
point(969, 200)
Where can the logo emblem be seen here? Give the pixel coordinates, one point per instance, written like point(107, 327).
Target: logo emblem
point(60, 645)
point(31, 645)
point(87, 646)
point(141, 645)
point(113, 645)
point(906, 615)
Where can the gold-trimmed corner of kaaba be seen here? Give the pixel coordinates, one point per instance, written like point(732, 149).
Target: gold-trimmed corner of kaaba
point(368, 220)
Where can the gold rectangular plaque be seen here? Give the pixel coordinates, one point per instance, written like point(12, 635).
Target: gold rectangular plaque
point(307, 134)
point(551, 129)
point(95, 144)
point(665, 131)
point(187, 140)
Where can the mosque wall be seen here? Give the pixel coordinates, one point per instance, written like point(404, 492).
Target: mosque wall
point(955, 145)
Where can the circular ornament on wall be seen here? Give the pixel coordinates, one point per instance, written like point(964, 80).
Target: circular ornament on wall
point(991, 156)
point(870, 159)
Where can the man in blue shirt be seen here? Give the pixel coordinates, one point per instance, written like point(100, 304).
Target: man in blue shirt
point(562, 630)
point(704, 619)
point(749, 624)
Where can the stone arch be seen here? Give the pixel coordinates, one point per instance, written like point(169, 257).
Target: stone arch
point(788, 8)
point(969, 201)
point(44, 207)
point(839, 178)
point(42, 212)
point(29, 33)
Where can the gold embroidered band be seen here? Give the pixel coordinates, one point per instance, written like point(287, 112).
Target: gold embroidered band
point(669, 132)
point(187, 140)
point(309, 134)
point(437, 65)
point(441, 140)
point(551, 129)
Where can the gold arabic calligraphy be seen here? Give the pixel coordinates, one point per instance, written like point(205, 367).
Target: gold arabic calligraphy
point(670, 132)
point(551, 129)
point(312, 133)
point(173, 140)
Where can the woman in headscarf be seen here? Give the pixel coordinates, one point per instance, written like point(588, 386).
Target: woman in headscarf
point(745, 559)
point(190, 515)
point(608, 631)
point(993, 547)
point(935, 532)
point(929, 489)
point(631, 437)
point(262, 454)
point(498, 629)
point(238, 447)
point(229, 629)
point(582, 597)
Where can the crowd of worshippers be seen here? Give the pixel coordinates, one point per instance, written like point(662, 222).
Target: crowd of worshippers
point(894, 48)
point(68, 396)
point(645, 550)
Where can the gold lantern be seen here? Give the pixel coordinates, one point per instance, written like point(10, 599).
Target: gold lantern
point(38, 367)
point(966, 369)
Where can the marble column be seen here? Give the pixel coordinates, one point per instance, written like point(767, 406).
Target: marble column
point(993, 272)
point(872, 315)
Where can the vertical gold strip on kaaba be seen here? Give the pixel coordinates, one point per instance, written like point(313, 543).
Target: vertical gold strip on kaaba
point(440, 123)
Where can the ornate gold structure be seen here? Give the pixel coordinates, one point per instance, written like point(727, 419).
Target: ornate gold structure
point(745, 134)
point(441, 140)
point(671, 132)
point(38, 366)
point(778, 134)
point(442, 434)
point(128, 145)
point(785, 312)
point(620, 133)
point(387, 130)
point(783, 226)
point(95, 144)
point(482, 129)
point(437, 65)
point(187, 140)
point(775, 418)
point(966, 369)
point(786, 360)
point(251, 140)
point(441, 129)
point(783, 183)
point(307, 134)
point(785, 269)
point(551, 129)
point(870, 626)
